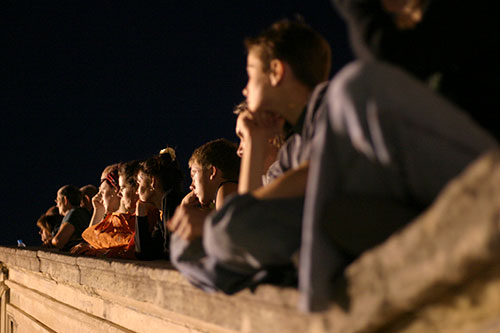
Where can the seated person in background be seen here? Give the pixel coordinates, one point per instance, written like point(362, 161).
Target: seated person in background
point(108, 191)
point(159, 188)
point(263, 152)
point(113, 236)
point(47, 223)
point(253, 237)
point(88, 192)
point(75, 220)
point(214, 172)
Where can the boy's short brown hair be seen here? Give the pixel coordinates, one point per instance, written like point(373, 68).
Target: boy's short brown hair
point(220, 153)
point(304, 49)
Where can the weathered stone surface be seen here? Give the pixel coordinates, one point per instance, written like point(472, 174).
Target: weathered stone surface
point(26, 258)
point(471, 307)
point(60, 267)
point(21, 322)
point(56, 315)
point(446, 247)
point(126, 293)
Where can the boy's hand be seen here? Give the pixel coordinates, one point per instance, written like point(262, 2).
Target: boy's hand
point(190, 200)
point(262, 126)
point(188, 221)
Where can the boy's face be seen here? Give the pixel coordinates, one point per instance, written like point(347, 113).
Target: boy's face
point(258, 85)
point(201, 184)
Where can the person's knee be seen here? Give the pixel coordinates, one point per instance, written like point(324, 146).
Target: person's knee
point(255, 233)
point(226, 233)
point(218, 239)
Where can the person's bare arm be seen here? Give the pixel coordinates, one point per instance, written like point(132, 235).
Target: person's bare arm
point(98, 213)
point(63, 235)
point(257, 132)
point(291, 184)
point(251, 167)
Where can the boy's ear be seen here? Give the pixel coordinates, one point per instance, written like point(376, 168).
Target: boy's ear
point(213, 172)
point(154, 182)
point(277, 71)
point(65, 200)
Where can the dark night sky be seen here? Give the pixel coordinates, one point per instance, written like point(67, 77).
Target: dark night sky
point(90, 83)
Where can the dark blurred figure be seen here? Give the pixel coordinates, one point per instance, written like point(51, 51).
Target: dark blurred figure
point(452, 46)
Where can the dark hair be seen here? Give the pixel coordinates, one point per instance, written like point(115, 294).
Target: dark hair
point(109, 169)
point(220, 153)
point(89, 190)
point(53, 210)
point(49, 222)
point(129, 170)
point(166, 168)
point(241, 107)
point(305, 50)
point(72, 193)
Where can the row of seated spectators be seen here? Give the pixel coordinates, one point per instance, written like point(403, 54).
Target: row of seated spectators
point(359, 157)
point(126, 217)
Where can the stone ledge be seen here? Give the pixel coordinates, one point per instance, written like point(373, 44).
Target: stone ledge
point(25, 258)
point(445, 248)
point(153, 289)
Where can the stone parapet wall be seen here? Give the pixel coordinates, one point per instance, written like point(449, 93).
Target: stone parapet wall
point(439, 274)
point(50, 291)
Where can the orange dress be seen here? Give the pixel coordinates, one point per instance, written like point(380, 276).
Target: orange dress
point(116, 229)
point(113, 237)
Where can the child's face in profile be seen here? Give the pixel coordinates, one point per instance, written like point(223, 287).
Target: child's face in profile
point(258, 84)
point(201, 184)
